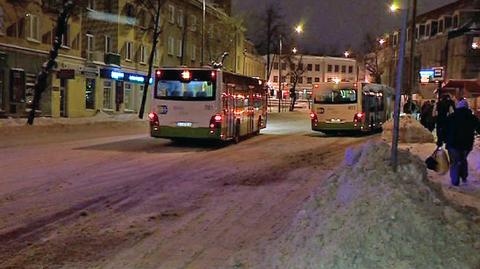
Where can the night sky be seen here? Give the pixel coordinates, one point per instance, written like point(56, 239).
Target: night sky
point(333, 24)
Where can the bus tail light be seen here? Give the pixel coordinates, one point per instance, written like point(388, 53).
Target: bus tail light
point(314, 118)
point(153, 119)
point(215, 123)
point(358, 117)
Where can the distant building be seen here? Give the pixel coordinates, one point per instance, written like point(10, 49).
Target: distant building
point(254, 65)
point(446, 37)
point(104, 58)
point(315, 69)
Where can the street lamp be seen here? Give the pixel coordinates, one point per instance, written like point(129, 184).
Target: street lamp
point(394, 8)
point(346, 53)
point(381, 41)
point(299, 29)
point(294, 50)
point(475, 45)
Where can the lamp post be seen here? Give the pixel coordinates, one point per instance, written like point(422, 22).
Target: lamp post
point(280, 96)
point(412, 52)
point(398, 83)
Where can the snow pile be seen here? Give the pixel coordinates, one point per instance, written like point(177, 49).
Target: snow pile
point(366, 216)
point(411, 131)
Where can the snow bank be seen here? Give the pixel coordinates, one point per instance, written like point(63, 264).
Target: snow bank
point(411, 131)
point(366, 216)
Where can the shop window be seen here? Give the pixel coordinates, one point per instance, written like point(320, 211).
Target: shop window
point(107, 94)
point(90, 94)
point(128, 96)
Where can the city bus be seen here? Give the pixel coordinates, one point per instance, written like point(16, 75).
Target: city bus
point(206, 103)
point(341, 107)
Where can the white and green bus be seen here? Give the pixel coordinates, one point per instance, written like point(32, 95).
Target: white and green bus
point(205, 103)
point(340, 107)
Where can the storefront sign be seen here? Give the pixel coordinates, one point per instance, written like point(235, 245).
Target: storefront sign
point(66, 74)
point(426, 75)
point(122, 76)
point(438, 73)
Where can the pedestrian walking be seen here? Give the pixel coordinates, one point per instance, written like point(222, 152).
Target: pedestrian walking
point(444, 108)
point(461, 126)
point(424, 111)
point(431, 117)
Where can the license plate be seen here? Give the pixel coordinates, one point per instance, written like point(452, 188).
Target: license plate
point(184, 124)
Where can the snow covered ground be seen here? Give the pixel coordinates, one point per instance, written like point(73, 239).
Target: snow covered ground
point(106, 195)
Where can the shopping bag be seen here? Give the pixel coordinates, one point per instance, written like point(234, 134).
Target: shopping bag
point(438, 161)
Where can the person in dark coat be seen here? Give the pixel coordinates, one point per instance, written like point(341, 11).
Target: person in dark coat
point(460, 135)
point(426, 114)
point(444, 108)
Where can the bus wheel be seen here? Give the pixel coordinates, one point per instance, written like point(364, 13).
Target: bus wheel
point(236, 138)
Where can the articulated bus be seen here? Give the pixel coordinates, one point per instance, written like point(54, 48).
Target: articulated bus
point(340, 107)
point(205, 103)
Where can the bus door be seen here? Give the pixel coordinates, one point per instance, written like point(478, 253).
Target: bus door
point(251, 109)
point(230, 109)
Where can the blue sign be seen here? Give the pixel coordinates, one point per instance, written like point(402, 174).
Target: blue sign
point(122, 76)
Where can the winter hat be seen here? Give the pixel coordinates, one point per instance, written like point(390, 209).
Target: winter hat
point(462, 103)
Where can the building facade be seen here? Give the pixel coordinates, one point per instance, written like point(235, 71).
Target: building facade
point(446, 38)
point(103, 62)
point(313, 70)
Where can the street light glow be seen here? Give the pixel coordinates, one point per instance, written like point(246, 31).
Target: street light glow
point(381, 41)
point(299, 29)
point(294, 50)
point(475, 45)
point(394, 7)
point(346, 53)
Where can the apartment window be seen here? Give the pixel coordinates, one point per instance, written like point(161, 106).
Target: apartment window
point(434, 28)
point(193, 23)
point(107, 94)
point(128, 96)
point(317, 79)
point(417, 31)
point(90, 94)
point(448, 23)
point(142, 54)
point(309, 67)
point(179, 48)
point(275, 79)
point(128, 50)
point(455, 21)
point(291, 80)
point(427, 30)
point(292, 66)
point(300, 66)
point(66, 37)
point(91, 4)
point(171, 45)
point(2, 22)
point(194, 52)
point(344, 69)
point(441, 26)
point(275, 66)
point(33, 27)
point(317, 67)
point(422, 30)
point(108, 44)
point(171, 13)
point(130, 10)
point(395, 39)
point(284, 66)
point(350, 69)
point(337, 68)
point(156, 61)
point(300, 80)
point(309, 80)
point(284, 79)
point(180, 18)
point(90, 46)
point(329, 68)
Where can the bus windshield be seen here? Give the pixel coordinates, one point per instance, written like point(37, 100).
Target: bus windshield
point(336, 96)
point(193, 90)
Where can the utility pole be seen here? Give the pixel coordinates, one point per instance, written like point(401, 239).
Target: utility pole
point(280, 76)
point(202, 62)
point(398, 90)
point(412, 52)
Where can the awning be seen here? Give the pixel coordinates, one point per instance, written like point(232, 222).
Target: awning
point(467, 86)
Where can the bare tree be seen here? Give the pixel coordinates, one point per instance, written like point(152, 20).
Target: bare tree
point(42, 78)
point(154, 8)
point(297, 69)
point(370, 56)
point(272, 28)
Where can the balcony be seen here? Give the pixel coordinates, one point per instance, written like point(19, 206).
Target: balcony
point(112, 58)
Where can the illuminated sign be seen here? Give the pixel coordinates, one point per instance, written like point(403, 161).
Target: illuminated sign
point(426, 75)
point(438, 73)
point(134, 78)
point(117, 75)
